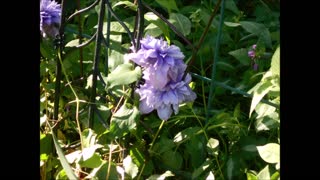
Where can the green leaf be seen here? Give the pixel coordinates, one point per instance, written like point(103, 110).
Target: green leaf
point(129, 167)
point(268, 122)
point(101, 172)
point(258, 30)
point(124, 120)
point(73, 43)
point(275, 63)
point(160, 177)
point(230, 5)
point(241, 55)
point(152, 18)
point(137, 156)
point(172, 159)
point(275, 176)
point(63, 159)
point(89, 138)
point(232, 24)
point(185, 134)
point(270, 152)
point(127, 3)
point(153, 30)
point(164, 144)
point(93, 162)
point(181, 22)
point(62, 175)
point(196, 173)
point(168, 4)
point(251, 176)
point(252, 27)
point(213, 143)
point(264, 173)
point(259, 93)
point(124, 74)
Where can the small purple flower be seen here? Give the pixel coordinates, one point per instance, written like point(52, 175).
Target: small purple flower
point(50, 13)
point(166, 100)
point(255, 66)
point(254, 46)
point(251, 54)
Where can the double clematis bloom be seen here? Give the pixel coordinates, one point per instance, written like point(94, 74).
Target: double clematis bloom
point(50, 13)
point(163, 70)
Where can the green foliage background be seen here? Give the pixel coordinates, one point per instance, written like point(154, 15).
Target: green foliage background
point(239, 140)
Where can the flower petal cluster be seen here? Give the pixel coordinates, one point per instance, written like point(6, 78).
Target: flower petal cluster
point(163, 71)
point(50, 13)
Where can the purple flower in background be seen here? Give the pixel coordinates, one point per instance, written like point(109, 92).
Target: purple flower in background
point(163, 70)
point(162, 63)
point(165, 100)
point(252, 52)
point(50, 13)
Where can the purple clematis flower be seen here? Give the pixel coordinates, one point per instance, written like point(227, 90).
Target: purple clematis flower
point(163, 70)
point(162, 63)
point(165, 100)
point(50, 13)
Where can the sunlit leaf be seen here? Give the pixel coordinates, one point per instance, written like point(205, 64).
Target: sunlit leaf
point(264, 173)
point(186, 133)
point(127, 3)
point(129, 167)
point(270, 152)
point(161, 177)
point(124, 74)
point(275, 62)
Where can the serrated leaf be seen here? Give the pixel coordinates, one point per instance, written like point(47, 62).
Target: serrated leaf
point(181, 22)
point(160, 177)
point(264, 173)
point(129, 167)
point(127, 3)
point(124, 74)
point(275, 62)
point(241, 55)
point(186, 133)
point(270, 152)
point(124, 120)
point(168, 4)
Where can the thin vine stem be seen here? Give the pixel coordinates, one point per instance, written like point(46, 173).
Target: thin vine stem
point(215, 61)
point(95, 70)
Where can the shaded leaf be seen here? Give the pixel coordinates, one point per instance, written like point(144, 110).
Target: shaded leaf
point(172, 159)
point(168, 4)
point(152, 18)
point(241, 55)
point(196, 173)
point(124, 120)
point(231, 24)
point(181, 22)
point(186, 133)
